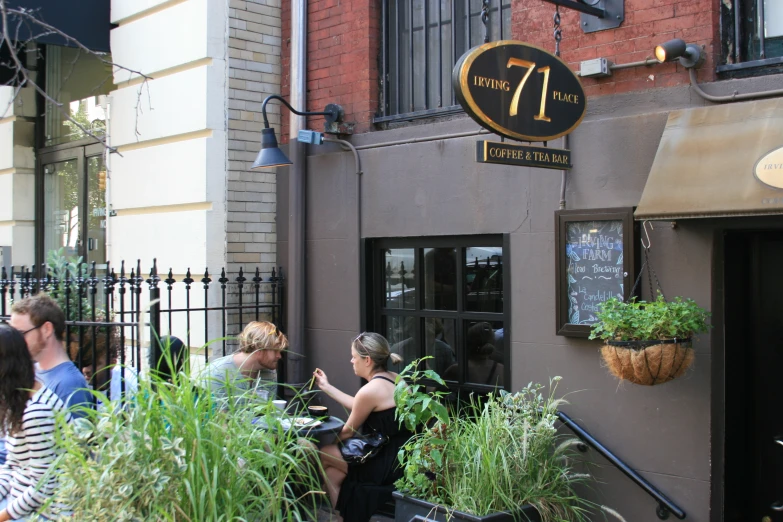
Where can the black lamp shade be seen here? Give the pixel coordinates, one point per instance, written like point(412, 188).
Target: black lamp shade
point(270, 154)
point(671, 50)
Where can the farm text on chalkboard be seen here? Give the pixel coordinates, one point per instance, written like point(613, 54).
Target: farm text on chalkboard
point(595, 267)
point(519, 91)
point(594, 262)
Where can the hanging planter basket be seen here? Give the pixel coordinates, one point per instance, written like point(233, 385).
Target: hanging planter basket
point(648, 362)
point(666, 327)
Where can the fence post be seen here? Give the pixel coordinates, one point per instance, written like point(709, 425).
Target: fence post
point(155, 347)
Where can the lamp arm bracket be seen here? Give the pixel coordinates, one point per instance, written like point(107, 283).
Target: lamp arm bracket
point(333, 110)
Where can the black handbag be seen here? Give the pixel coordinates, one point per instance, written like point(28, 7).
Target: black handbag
point(357, 449)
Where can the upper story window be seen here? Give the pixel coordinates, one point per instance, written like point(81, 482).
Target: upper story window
point(443, 298)
point(752, 34)
point(422, 40)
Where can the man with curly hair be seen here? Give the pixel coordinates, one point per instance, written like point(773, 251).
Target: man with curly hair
point(252, 366)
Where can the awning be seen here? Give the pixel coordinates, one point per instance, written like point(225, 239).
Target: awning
point(706, 163)
point(85, 20)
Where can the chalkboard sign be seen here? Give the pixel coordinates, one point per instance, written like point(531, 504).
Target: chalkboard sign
point(595, 261)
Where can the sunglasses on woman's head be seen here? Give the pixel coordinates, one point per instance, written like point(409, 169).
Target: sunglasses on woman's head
point(358, 341)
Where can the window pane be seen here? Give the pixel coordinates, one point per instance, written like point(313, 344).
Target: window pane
point(773, 18)
point(403, 336)
point(399, 280)
point(75, 79)
point(96, 211)
point(484, 279)
point(61, 201)
point(440, 278)
point(440, 343)
point(484, 353)
point(419, 54)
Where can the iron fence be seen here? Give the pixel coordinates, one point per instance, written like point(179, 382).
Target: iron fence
point(108, 314)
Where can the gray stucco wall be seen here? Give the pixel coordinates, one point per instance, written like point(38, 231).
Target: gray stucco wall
point(437, 188)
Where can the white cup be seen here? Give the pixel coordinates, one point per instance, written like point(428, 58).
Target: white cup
point(280, 404)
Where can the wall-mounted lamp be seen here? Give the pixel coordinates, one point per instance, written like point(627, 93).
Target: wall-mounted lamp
point(270, 154)
point(689, 55)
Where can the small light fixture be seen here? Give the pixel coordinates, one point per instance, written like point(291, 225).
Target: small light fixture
point(689, 55)
point(270, 154)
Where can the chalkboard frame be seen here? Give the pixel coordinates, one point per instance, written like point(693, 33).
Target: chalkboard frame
point(630, 255)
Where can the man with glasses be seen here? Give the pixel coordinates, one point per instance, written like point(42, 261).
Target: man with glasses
point(42, 323)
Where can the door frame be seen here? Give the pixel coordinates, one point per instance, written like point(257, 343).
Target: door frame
point(77, 150)
point(747, 225)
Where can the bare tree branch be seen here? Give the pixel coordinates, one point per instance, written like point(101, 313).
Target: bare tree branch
point(21, 76)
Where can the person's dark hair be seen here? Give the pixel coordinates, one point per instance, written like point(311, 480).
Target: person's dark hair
point(17, 377)
point(42, 308)
point(481, 339)
point(177, 354)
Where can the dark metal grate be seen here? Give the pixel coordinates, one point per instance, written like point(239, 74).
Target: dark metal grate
point(422, 40)
point(750, 35)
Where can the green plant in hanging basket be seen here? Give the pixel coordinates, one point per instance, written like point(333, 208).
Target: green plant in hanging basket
point(642, 321)
point(649, 342)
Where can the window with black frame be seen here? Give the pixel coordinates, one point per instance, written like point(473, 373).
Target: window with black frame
point(443, 298)
point(752, 35)
point(422, 40)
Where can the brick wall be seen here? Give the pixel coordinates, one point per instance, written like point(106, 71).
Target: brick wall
point(343, 45)
point(254, 73)
point(647, 23)
point(344, 41)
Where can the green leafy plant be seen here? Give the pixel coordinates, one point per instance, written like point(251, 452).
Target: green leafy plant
point(420, 409)
point(169, 453)
point(654, 320)
point(418, 405)
point(496, 456)
point(64, 268)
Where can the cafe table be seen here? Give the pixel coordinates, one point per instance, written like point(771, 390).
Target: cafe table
point(323, 431)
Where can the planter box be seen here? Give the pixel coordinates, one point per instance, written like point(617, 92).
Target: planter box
point(406, 508)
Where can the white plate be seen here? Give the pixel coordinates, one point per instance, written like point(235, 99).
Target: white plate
point(300, 422)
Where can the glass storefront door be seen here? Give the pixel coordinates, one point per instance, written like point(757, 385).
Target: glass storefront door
point(74, 203)
point(62, 210)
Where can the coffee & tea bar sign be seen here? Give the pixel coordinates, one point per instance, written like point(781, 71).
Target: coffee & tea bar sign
point(519, 91)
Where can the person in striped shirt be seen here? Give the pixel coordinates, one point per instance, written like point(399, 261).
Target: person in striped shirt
point(27, 419)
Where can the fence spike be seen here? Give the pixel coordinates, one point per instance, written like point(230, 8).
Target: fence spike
point(170, 279)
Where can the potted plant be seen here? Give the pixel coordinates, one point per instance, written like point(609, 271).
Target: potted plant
point(501, 460)
point(170, 453)
point(649, 342)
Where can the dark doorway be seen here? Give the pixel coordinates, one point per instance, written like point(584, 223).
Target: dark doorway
point(753, 467)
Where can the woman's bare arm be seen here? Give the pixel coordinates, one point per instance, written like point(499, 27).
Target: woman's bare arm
point(345, 400)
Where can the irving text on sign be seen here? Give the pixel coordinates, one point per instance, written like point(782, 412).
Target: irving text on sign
point(522, 155)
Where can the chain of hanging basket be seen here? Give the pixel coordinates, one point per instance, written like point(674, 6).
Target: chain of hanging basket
point(650, 270)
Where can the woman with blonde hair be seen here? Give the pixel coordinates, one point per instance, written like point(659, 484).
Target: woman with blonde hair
point(252, 366)
point(372, 410)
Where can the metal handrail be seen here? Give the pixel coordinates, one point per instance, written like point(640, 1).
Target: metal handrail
point(665, 506)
